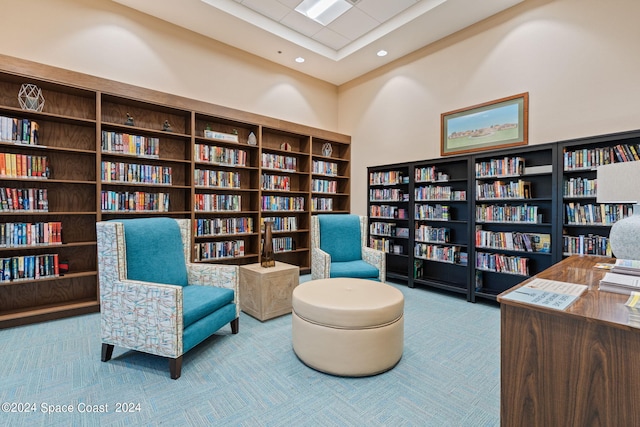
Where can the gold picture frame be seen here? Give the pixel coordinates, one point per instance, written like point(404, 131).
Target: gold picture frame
point(495, 124)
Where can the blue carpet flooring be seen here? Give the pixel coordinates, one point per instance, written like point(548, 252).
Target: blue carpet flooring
point(448, 376)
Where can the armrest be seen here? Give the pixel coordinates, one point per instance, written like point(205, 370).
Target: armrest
point(320, 264)
point(221, 276)
point(377, 259)
point(142, 316)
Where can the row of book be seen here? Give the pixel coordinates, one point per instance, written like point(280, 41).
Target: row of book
point(282, 203)
point(135, 173)
point(507, 213)
point(19, 131)
point(139, 201)
point(219, 250)
point(433, 212)
point(503, 190)
point(29, 267)
point(30, 233)
point(23, 166)
point(502, 263)
point(389, 230)
point(579, 187)
point(283, 244)
point(430, 174)
point(220, 155)
point(507, 166)
point(382, 228)
point(222, 136)
point(590, 158)
point(447, 254)
point(321, 204)
point(217, 202)
point(386, 178)
point(321, 167)
point(280, 162)
point(223, 226)
point(216, 178)
point(387, 211)
point(24, 199)
point(428, 234)
point(514, 241)
point(281, 223)
point(436, 192)
point(324, 186)
point(124, 143)
point(602, 214)
point(387, 195)
point(276, 182)
point(590, 244)
point(383, 245)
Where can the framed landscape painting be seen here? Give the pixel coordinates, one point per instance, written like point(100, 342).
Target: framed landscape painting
point(494, 124)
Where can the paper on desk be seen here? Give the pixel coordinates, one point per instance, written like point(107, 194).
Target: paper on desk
point(565, 288)
point(547, 293)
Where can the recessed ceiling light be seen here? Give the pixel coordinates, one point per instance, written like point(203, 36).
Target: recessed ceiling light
point(300, 59)
point(382, 53)
point(323, 11)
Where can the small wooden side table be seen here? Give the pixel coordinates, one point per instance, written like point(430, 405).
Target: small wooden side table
point(265, 293)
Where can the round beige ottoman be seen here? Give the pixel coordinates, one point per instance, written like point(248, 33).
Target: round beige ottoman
point(348, 327)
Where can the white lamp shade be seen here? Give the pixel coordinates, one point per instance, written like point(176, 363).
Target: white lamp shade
point(620, 183)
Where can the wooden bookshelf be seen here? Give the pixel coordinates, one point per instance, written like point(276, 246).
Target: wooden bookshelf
point(82, 131)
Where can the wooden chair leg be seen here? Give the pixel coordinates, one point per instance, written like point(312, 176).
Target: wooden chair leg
point(175, 367)
point(107, 352)
point(235, 325)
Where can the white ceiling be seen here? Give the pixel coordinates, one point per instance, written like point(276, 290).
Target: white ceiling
point(337, 53)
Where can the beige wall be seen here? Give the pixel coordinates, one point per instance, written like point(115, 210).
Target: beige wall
point(106, 39)
point(578, 59)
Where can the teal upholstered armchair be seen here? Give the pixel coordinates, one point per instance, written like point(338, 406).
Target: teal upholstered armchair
point(152, 298)
point(339, 248)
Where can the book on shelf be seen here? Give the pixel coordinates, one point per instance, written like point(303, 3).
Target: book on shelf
point(619, 283)
point(547, 293)
point(232, 137)
point(530, 170)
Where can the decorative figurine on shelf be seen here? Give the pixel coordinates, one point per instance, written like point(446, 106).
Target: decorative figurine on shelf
point(166, 126)
point(30, 97)
point(252, 140)
point(327, 149)
point(285, 146)
point(267, 247)
point(129, 121)
point(63, 267)
point(208, 133)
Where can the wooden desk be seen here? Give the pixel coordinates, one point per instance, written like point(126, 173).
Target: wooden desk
point(578, 367)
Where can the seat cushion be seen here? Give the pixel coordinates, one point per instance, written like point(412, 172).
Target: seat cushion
point(358, 269)
point(207, 326)
point(154, 251)
point(340, 237)
point(347, 303)
point(200, 301)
